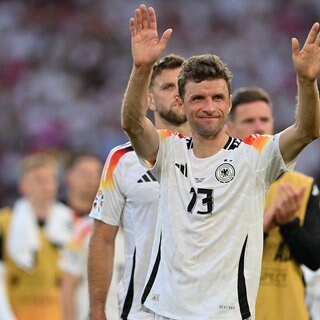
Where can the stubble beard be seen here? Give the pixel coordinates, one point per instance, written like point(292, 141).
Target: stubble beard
point(176, 118)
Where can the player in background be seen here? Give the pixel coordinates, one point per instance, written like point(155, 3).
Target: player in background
point(82, 175)
point(128, 196)
point(291, 219)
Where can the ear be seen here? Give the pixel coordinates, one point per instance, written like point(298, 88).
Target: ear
point(151, 104)
point(230, 104)
point(179, 102)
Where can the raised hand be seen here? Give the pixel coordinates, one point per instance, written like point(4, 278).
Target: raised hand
point(307, 60)
point(145, 44)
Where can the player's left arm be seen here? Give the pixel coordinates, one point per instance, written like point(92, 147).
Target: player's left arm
point(304, 241)
point(69, 289)
point(306, 62)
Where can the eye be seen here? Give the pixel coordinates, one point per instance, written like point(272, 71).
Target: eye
point(197, 98)
point(169, 86)
point(218, 97)
point(248, 121)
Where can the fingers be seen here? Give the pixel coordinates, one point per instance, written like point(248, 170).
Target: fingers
point(152, 18)
point(291, 197)
point(295, 46)
point(132, 27)
point(312, 34)
point(138, 20)
point(144, 16)
point(143, 19)
point(165, 38)
point(290, 203)
point(317, 42)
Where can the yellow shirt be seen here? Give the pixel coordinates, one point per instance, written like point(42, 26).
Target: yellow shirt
point(281, 293)
point(33, 295)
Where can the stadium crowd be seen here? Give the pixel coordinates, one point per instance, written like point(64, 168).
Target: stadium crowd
point(64, 63)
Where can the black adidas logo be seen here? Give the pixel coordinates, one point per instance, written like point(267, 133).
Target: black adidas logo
point(147, 177)
point(183, 168)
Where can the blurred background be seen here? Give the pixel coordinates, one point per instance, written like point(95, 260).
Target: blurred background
point(64, 66)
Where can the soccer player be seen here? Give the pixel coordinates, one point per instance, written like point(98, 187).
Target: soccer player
point(129, 196)
point(82, 175)
point(291, 219)
point(206, 261)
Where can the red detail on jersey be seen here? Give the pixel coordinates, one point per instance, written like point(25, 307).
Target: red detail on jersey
point(113, 161)
point(257, 141)
point(164, 133)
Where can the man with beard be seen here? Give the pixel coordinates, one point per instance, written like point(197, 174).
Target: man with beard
point(291, 220)
point(206, 257)
point(128, 196)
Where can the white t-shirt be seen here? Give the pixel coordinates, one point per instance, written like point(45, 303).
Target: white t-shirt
point(129, 196)
point(207, 264)
point(74, 261)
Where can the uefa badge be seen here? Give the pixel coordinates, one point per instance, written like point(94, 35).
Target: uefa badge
point(225, 173)
point(98, 201)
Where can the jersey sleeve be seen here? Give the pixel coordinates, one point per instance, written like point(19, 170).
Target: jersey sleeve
point(269, 164)
point(109, 201)
point(164, 144)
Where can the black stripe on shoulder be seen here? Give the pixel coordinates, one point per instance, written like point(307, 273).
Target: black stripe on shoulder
point(189, 142)
point(232, 143)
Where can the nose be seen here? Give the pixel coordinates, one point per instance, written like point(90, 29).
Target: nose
point(259, 127)
point(208, 105)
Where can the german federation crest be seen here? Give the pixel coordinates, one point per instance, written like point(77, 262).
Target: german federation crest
point(225, 173)
point(98, 201)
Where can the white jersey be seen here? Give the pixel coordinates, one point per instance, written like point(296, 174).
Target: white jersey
point(74, 261)
point(129, 196)
point(206, 263)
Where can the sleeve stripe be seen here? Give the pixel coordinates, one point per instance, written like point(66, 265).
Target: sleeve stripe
point(111, 164)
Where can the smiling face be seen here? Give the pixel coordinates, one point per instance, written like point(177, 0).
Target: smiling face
point(162, 97)
point(207, 104)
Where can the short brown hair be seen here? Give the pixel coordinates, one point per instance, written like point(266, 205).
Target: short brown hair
point(171, 61)
point(37, 160)
point(247, 95)
point(203, 67)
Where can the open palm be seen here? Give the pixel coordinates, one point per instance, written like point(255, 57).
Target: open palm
point(146, 46)
point(307, 60)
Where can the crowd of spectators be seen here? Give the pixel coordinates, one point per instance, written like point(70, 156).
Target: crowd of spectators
point(64, 67)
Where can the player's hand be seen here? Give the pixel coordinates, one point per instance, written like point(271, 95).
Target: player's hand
point(145, 43)
point(307, 60)
point(269, 219)
point(289, 203)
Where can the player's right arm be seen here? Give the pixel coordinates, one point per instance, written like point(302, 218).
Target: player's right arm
point(146, 50)
point(306, 128)
point(100, 267)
